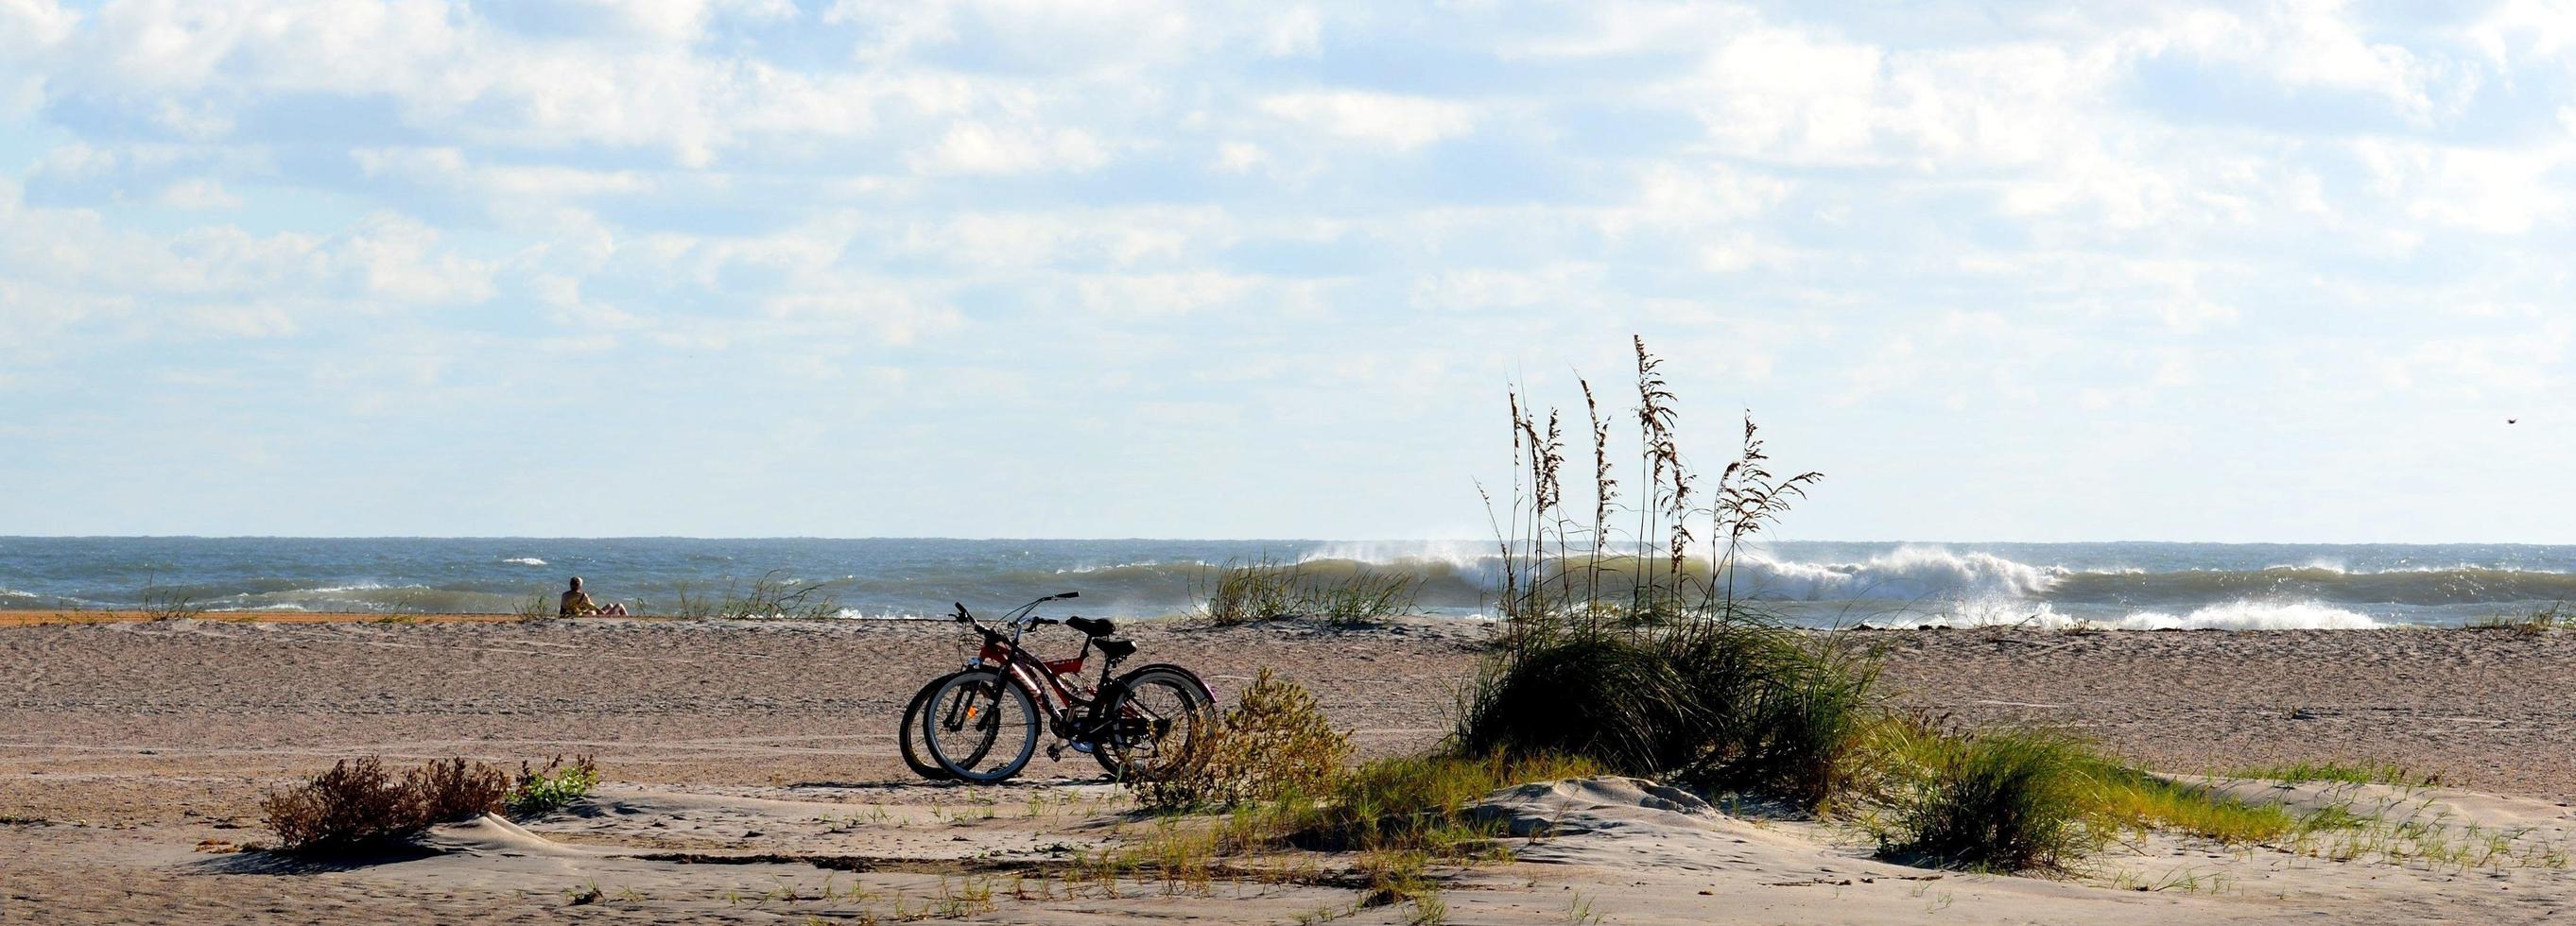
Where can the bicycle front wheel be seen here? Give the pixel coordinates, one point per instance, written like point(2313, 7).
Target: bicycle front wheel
point(980, 726)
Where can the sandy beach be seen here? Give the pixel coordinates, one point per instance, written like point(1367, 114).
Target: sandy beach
point(131, 745)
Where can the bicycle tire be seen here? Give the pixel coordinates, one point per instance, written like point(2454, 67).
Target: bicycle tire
point(1117, 754)
point(908, 733)
point(983, 698)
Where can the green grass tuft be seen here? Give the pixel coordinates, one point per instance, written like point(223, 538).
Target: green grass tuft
point(2011, 800)
point(2359, 773)
point(1269, 590)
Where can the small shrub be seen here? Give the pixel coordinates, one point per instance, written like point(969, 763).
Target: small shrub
point(359, 804)
point(554, 787)
point(1274, 743)
point(456, 789)
point(2002, 801)
point(354, 804)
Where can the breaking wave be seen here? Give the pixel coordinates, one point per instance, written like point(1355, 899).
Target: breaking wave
point(2134, 586)
point(2231, 615)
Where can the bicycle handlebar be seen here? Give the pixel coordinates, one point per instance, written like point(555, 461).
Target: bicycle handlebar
point(1019, 614)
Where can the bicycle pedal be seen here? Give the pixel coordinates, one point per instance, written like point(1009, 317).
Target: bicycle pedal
point(1055, 752)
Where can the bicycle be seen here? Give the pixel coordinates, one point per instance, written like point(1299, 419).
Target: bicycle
point(981, 723)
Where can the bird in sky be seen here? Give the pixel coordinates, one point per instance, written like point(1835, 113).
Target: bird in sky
point(2511, 420)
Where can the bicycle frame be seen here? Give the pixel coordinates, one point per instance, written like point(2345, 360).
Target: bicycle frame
point(1045, 680)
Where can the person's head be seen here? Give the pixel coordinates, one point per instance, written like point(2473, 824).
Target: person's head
point(576, 583)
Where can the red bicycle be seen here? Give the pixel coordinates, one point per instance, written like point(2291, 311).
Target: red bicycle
point(981, 723)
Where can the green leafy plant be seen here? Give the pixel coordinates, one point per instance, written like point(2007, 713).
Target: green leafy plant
point(553, 787)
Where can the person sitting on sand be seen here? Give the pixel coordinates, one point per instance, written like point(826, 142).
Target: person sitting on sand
point(577, 603)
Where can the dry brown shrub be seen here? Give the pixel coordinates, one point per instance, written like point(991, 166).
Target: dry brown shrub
point(456, 789)
point(1274, 744)
point(358, 804)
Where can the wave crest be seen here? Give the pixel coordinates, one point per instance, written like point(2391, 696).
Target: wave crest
point(2229, 615)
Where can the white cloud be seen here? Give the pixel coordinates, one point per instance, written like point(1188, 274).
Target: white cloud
point(398, 258)
point(2488, 190)
point(447, 167)
point(199, 193)
point(1297, 31)
point(2305, 44)
point(889, 316)
point(979, 148)
point(678, 20)
point(1161, 294)
point(1402, 123)
point(1240, 157)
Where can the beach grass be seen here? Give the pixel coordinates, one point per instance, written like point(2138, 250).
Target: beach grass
point(775, 595)
point(2349, 772)
point(537, 605)
point(163, 603)
point(2553, 616)
point(1243, 592)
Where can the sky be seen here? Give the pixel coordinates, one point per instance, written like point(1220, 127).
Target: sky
point(1013, 268)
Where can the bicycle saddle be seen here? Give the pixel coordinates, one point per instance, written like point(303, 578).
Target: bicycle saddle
point(1091, 627)
point(1114, 650)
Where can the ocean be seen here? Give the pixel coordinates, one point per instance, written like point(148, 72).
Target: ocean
point(2119, 585)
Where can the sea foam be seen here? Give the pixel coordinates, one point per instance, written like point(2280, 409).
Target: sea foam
point(2229, 615)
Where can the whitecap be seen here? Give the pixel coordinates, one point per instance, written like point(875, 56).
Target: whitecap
point(2228, 615)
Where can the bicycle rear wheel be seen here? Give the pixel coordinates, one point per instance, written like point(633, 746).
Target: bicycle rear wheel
point(1151, 721)
point(980, 726)
point(908, 733)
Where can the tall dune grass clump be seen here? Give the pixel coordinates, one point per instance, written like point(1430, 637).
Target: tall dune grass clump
point(1626, 649)
point(1627, 645)
point(1625, 641)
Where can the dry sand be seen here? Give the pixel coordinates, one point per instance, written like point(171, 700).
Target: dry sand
point(124, 745)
